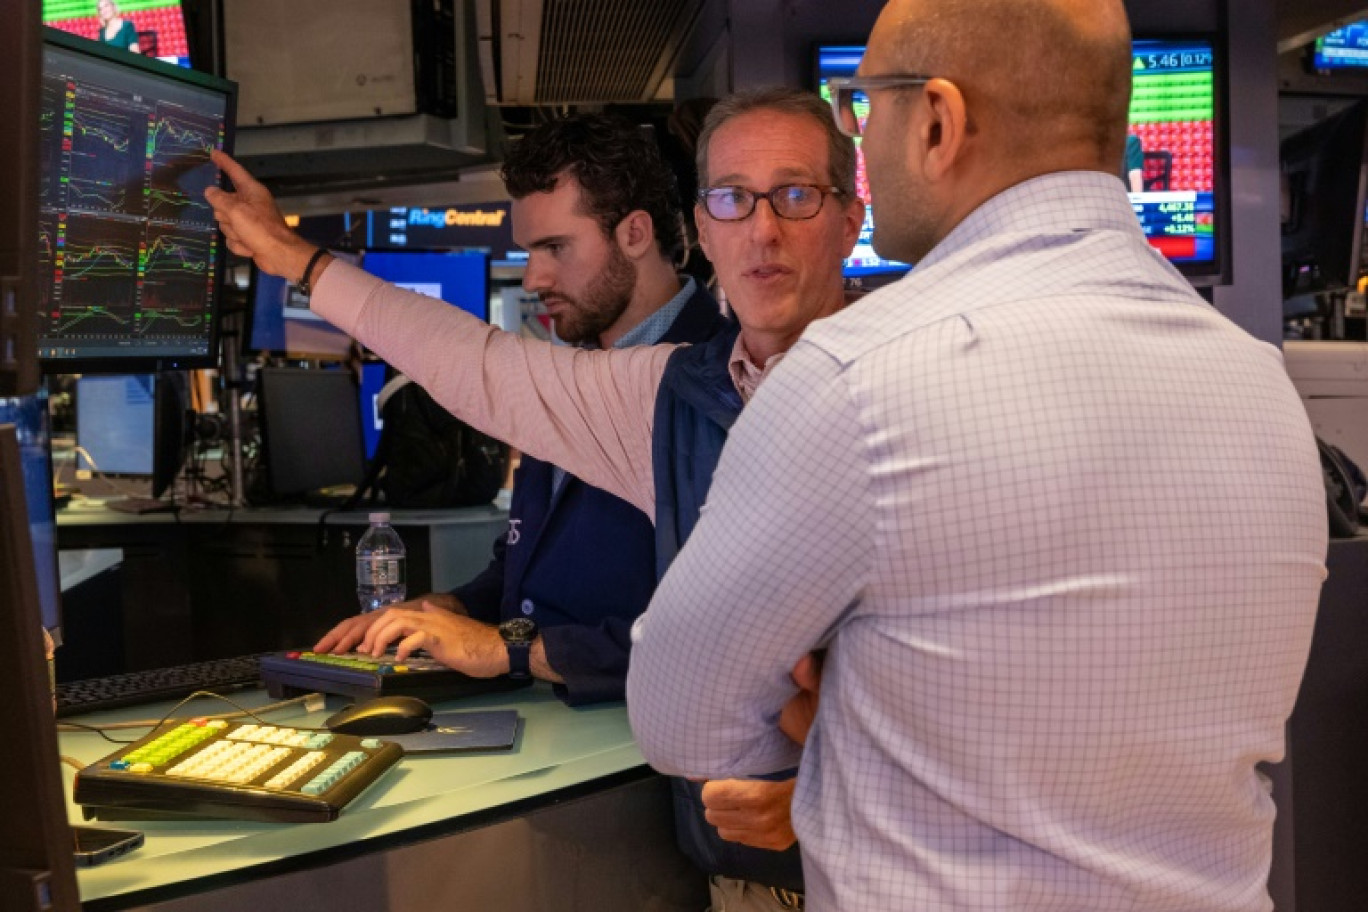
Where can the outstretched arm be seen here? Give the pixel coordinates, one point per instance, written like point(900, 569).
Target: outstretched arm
point(588, 412)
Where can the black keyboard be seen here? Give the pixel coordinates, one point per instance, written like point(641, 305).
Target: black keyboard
point(217, 675)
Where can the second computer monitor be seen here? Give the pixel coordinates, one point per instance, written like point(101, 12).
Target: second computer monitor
point(116, 424)
point(460, 279)
point(132, 424)
point(310, 429)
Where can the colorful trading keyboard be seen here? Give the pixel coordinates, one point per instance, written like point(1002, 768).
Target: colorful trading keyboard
point(354, 674)
point(240, 770)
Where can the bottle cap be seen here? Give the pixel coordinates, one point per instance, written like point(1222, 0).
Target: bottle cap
point(379, 517)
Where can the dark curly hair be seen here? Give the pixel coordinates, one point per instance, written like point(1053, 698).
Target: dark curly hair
point(618, 165)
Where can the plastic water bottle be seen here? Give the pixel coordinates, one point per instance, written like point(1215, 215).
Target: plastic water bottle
point(380, 572)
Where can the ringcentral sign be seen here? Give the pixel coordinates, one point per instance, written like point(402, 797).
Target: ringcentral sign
point(450, 218)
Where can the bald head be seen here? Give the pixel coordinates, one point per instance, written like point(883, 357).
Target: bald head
point(1052, 76)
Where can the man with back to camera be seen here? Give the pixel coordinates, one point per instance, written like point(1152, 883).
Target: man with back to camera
point(595, 207)
point(778, 215)
point(992, 493)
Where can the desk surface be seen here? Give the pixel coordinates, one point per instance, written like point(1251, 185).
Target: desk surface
point(558, 748)
point(95, 513)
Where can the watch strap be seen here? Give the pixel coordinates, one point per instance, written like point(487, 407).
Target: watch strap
point(519, 659)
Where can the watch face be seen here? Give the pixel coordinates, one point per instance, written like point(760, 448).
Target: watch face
point(518, 630)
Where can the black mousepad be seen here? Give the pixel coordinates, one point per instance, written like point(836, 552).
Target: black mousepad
point(451, 732)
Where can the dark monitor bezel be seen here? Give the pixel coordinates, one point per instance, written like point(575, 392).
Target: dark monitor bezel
point(1318, 216)
point(440, 251)
point(142, 363)
point(170, 403)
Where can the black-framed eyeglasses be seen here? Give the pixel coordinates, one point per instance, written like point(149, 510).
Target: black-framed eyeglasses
point(788, 201)
point(850, 96)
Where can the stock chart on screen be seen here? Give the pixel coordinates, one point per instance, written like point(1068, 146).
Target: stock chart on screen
point(128, 245)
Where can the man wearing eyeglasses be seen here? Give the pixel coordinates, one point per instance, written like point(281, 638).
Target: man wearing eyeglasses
point(777, 215)
point(985, 495)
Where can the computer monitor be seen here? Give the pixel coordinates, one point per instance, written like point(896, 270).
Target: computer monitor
point(115, 424)
point(1325, 180)
point(1343, 50)
point(129, 255)
point(840, 60)
point(37, 869)
point(157, 26)
point(29, 416)
point(132, 424)
point(310, 429)
point(459, 278)
point(1177, 139)
point(281, 323)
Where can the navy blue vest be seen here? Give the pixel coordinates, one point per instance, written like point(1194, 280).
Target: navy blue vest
point(581, 562)
point(695, 408)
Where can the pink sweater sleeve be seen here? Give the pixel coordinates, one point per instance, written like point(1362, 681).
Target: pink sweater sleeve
point(589, 412)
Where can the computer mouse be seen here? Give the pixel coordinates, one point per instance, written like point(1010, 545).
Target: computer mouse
point(381, 716)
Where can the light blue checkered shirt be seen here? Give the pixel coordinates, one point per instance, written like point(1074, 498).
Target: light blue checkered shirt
point(1061, 527)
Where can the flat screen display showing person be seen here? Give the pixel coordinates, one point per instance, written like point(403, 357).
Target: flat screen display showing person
point(1175, 168)
point(129, 255)
point(153, 28)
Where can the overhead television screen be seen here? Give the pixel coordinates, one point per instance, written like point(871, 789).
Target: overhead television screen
point(153, 28)
point(1343, 49)
point(1173, 165)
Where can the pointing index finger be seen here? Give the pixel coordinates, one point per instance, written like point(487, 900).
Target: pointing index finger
point(236, 173)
